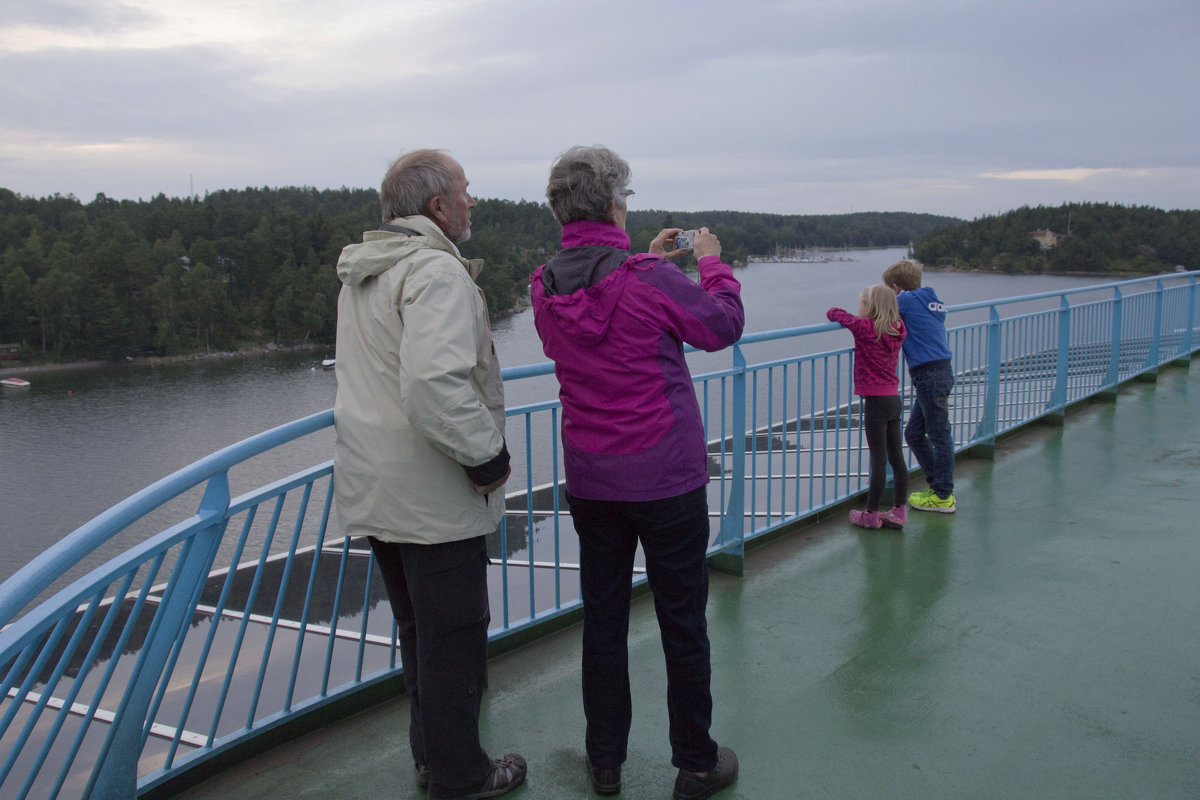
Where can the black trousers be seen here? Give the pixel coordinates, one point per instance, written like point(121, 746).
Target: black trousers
point(881, 421)
point(674, 536)
point(439, 597)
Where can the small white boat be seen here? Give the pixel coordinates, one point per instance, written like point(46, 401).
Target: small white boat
point(329, 363)
point(18, 383)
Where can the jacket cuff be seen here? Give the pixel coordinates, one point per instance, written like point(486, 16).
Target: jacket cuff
point(490, 472)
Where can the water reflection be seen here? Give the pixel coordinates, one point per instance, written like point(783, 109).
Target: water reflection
point(886, 678)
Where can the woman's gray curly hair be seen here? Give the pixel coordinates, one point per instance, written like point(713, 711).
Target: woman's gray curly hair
point(584, 181)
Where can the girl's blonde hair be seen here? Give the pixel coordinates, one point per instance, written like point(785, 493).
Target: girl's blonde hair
point(882, 309)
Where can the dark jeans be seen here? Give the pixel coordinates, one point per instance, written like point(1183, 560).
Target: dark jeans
point(881, 421)
point(674, 537)
point(439, 597)
point(928, 430)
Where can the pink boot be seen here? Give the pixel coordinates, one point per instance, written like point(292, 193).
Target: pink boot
point(866, 519)
point(894, 518)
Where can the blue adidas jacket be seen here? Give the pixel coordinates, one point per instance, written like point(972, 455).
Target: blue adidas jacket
point(925, 317)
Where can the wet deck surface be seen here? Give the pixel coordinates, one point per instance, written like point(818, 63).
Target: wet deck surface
point(1042, 642)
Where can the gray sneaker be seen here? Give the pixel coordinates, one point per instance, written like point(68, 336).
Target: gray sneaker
point(507, 774)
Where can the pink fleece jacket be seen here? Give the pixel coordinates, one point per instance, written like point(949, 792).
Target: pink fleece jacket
point(615, 325)
point(875, 356)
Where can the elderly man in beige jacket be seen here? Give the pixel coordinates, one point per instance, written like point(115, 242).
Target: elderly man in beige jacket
point(420, 460)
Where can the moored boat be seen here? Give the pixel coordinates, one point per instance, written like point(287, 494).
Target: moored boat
point(16, 383)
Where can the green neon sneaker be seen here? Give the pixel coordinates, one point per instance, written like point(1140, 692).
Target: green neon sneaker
point(916, 497)
point(929, 501)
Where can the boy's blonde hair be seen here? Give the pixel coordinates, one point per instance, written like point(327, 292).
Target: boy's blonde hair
point(882, 309)
point(905, 274)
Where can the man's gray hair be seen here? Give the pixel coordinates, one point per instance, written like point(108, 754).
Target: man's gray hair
point(412, 181)
point(584, 181)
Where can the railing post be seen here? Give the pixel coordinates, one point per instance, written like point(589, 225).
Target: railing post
point(1186, 346)
point(116, 777)
point(1114, 358)
point(1184, 356)
point(1059, 397)
point(730, 556)
point(1150, 369)
point(985, 432)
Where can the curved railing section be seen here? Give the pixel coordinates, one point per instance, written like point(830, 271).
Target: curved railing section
point(209, 635)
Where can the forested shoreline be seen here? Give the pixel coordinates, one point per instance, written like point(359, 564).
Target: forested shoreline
point(114, 279)
point(238, 269)
point(1074, 238)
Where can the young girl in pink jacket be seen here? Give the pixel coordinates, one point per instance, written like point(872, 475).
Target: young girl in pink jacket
point(878, 333)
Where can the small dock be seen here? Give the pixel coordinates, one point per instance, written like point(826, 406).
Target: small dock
point(1042, 642)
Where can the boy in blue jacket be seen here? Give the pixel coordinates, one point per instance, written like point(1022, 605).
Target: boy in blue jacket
point(928, 356)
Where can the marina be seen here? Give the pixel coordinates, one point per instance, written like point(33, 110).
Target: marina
point(801, 256)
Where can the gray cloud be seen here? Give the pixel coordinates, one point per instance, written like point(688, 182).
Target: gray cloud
point(73, 16)
point(789, 106)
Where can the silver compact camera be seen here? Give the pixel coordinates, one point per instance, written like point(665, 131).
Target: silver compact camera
point(685, 240)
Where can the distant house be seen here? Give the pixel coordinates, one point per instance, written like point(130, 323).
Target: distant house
point(10, 352)
point(1048, 239)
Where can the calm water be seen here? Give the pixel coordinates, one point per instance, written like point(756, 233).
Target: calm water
point(79, 441)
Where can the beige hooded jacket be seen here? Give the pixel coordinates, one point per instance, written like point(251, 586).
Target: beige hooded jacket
point(419, 396)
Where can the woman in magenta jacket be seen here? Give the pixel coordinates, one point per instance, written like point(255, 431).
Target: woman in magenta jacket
point(635, 457)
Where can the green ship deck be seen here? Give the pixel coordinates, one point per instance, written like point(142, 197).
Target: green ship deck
point(1042, 642)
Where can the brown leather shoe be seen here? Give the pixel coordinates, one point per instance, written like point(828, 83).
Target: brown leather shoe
point(691, 786)
point(605, 780)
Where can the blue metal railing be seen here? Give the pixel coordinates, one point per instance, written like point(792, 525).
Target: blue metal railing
point(255, 610)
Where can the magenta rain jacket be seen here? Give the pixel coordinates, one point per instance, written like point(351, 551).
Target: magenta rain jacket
point(614, 324)
point(875, 357)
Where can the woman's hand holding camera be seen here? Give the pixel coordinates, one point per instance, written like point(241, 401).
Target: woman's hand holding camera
point(658, 245)
point(706, 244)
point(703, 243)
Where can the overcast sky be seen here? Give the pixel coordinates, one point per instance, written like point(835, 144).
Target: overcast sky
point(956, 107)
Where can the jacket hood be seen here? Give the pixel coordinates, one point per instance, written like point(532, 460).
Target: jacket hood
point(381, 249)
point(583, 283)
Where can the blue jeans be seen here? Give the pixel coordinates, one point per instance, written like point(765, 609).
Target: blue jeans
point(674, 536)
point(928, 430)
point(439, 597)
